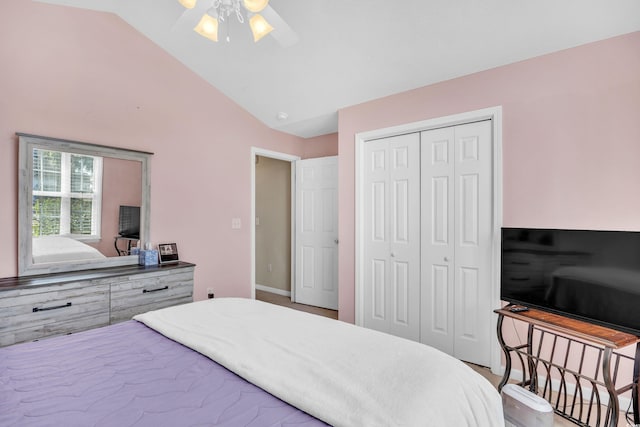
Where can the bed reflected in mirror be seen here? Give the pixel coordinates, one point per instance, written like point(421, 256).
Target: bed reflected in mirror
point(72, 197)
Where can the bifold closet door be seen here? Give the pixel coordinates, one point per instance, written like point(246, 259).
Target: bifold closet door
point(457, 203)
point(391, 252)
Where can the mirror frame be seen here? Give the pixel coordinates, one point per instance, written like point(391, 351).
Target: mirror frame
point(27, 143)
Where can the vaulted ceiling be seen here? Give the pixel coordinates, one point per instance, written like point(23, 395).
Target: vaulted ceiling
point(352, 51)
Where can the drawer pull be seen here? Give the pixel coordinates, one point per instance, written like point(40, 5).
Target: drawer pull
point(55, 307)
point(146, 291)
point(520, 279)
point(520, 263)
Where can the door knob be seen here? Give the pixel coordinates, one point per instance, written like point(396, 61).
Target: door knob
point(446, 259)
point(393, 255)
point(335, 241)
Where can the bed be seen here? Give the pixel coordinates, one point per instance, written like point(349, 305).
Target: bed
point(61, 248)
point(239, 362)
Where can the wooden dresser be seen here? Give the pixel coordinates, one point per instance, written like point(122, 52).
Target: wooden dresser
point(35, 307)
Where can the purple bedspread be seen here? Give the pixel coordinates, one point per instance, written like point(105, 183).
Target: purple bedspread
point(129, 375)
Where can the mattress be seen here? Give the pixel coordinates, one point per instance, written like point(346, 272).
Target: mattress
point(129, 375)
point(60, 248)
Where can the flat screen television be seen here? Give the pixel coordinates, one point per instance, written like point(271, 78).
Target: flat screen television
point(129, 222)
point(584, 274)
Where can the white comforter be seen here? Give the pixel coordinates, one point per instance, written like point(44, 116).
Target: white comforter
point(61, 248)
point(342, 374)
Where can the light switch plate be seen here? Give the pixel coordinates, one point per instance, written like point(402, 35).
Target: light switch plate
point(235, 223)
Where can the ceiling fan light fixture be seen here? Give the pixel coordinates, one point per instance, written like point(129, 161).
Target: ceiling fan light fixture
point(189, 4)
point(255, 6)
point(259, 27)
point(207, 27)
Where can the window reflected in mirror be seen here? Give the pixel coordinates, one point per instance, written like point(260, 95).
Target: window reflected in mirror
point(67, 193)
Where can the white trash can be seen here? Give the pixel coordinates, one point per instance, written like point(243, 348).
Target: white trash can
point(525, 409)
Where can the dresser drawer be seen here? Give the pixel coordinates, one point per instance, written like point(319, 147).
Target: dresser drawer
point(31, 313)
point(145, 292)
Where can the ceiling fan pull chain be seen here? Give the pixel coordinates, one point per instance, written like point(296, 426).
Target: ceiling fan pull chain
point(236, 5)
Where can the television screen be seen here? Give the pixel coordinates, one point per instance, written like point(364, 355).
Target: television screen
point(585, 274)
point(129, 222)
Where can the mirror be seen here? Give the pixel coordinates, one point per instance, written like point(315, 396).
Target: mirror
point(81, 206)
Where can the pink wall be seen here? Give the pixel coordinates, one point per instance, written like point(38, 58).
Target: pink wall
point(571, 140)
point(88, 76)
point(321, 146)
point(121, 185)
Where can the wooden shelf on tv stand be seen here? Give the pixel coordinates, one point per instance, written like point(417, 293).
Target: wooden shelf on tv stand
point(588, 331)
point(603, 340)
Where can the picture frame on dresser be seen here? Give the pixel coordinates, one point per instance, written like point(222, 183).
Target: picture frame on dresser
point(168, 253)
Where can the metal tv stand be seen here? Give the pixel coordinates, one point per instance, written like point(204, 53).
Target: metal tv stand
point(573, 365)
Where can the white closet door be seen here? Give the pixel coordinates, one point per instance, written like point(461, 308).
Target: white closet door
point(316, 266)
point(392, 235)
point(437, 309)
point(457, 226)
point(473, 230)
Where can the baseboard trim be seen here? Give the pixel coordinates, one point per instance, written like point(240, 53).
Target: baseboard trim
point(273, 290)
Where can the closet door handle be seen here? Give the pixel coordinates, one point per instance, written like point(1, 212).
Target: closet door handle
point(446, 259)
point(393, 255)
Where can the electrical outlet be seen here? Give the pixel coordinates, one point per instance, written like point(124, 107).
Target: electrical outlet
point(210, 293)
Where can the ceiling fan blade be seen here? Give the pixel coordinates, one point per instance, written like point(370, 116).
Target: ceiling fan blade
point(189, 17)
point(184, 16)
point(282, 32)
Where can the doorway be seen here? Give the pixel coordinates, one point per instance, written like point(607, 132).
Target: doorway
point(294, 230)
point(273, 226)
point(272, 223)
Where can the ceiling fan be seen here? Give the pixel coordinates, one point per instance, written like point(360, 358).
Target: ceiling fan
point(263, 20)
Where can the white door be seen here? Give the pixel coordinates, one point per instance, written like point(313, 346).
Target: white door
point(456, 240)
point(391, 232)
point(316, 232)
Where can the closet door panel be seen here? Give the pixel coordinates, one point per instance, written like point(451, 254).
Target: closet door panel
point(401, 290)
point(392, 236)
point(437, 239)
point(440, 208)
point(438, 313)
point(376, 236)
point(404, 248)
point(473, 225)
point(457, 224)
point(378, 293)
